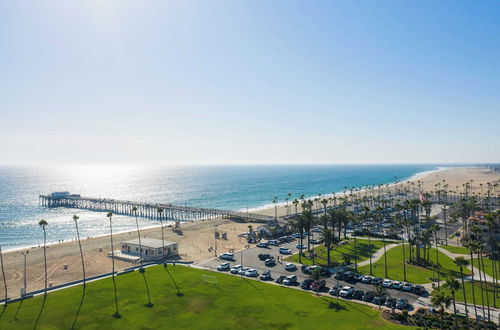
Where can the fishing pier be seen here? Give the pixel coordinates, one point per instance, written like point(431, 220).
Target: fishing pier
point(145, 210)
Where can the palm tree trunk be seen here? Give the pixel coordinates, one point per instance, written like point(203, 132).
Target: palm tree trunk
point(385, 257)
point(404, 259)
point(355, 255)
point(437, 258)
point(463, 292)
point(45, 256)
point(473, 285)
point(485, 288)
point(3, 276)
point(481, 283)
point(162, 240)
point(455, 310)
point(370, 249)
point(139, 236)
point(117, 312)
point(328, 254)
point(81, 251)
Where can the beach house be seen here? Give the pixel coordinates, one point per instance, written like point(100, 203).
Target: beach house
point(151, 248)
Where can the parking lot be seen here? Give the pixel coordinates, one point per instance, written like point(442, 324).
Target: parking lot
point(249, 258)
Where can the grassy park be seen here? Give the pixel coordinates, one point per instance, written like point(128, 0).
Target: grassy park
point(221, 302)
point(415, 274)
point(337, 253)
point(477, 295)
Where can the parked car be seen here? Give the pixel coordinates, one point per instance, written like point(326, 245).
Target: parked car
point(243, 270)
point(301, 246)
point(280, 279)
point(346, 291)
point(408, 287)
point(318, 285)
point(368, 296)
point(290, 267)
point(262, 245)
point(251, 273)
point(283, 250)
point(290, 280)
point(273, 242)
point(306, 284)
point(379, 300)
point(235, 269)
point(333, 291)
point(316, 241)
point(264, 256)
point(390, 302)
point(358, 276)
point(367, 279)
point(227, 256)
point(266, 276)
point(338, 276)
point(402, 304)
point(377, 280)
point(317, 230)
point(223, 267)
point(348, 276)
point(270, 262)
point(419, 290)
point(387, 283)
point(397, 285)
point(358, 294)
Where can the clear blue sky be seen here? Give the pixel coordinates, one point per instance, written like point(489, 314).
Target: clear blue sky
point(249, 81)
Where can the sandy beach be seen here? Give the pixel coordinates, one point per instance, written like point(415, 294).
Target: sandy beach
point(195, 240)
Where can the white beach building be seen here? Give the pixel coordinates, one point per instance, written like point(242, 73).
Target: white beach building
point(151, 249)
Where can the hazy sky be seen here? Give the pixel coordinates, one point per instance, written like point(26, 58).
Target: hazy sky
point(249, 81)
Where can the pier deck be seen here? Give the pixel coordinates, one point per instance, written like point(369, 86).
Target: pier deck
point(148, 210)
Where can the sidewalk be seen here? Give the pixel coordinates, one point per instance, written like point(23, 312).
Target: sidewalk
point(377, 255)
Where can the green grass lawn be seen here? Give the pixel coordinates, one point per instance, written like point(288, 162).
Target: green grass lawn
point(414, 274)
point(477, 295)
point(488, 266)
point(231, 303)
point(363, 250)
point(455, 249)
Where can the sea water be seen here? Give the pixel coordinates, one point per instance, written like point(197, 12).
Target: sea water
point(235, 187)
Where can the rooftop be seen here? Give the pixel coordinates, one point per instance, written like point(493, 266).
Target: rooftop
point(148, 242)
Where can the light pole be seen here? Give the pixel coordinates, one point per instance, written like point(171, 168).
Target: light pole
point(215, 240)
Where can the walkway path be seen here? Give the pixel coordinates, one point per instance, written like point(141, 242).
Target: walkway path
point(474, 269)
point(377, 255)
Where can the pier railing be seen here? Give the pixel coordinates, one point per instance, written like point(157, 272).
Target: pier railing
point(148, 210)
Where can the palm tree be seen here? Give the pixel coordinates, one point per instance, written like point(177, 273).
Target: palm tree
point(453, 285)
point(43, 223)
point(470, 246)
point(110, 216)
point(3, 276)
point(435, 228)
point(327, 236)
point(160, 211)
point(461, 262)
point(442, 301)
point(134, 210)
point(299, 224)
point(75, 219)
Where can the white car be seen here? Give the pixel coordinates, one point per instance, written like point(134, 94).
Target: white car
point(408, 287)
point(289, 280)
point(235, 269)
point(251, 273)
point(283, 250)
point(367, 279)
point(346, 291)
point(290, 267)
point(227, 256)
point(397, 285)
point(387, 283)
point(223, 267)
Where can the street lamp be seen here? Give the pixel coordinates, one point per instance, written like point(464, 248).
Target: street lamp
point(25, 254)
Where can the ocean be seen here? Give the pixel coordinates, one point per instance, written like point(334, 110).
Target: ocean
point(233, 187)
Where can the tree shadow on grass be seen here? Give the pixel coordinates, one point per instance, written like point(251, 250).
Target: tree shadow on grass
point(179, 293)
point(3, 309)
point(79, 308)
point(17, 310)
point(353, 305)
point(252, 284)
point(143, 272)
point(41, 311)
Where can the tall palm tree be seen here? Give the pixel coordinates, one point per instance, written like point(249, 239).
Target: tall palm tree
point(470, 245)
point(43, 223)
point(481, 268)
point(3, 276)
point(160, 211)
point(75, 219)
point(453, 285)
point(441, 300)
point(327, 236)
point(299, 224)
point(435, 228)
point(110, 217)
point(461, 263)
point(134, 210)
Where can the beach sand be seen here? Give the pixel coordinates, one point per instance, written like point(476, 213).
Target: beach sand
point(194, 242)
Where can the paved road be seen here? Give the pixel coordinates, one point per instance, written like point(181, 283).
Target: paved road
point(249, 258)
